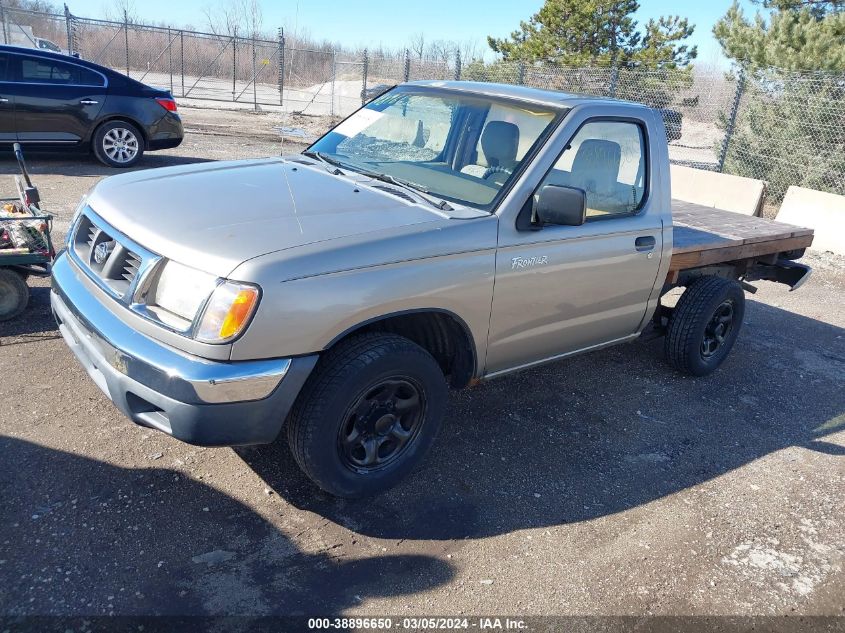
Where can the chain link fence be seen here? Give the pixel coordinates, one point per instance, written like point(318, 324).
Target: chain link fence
point(789, 129)
point(785, 128)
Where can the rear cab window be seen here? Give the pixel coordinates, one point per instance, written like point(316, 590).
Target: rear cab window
point(506, 136)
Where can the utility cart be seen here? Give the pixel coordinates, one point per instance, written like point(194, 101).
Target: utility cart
point(25, 245)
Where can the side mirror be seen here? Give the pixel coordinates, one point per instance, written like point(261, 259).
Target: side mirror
point(561, 205)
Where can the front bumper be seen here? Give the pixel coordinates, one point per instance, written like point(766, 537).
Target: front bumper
point(196, 400)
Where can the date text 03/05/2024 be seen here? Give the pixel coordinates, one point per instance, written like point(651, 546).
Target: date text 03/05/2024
point(418, 624)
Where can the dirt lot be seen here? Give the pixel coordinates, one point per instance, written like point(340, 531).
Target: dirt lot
point(606, 484)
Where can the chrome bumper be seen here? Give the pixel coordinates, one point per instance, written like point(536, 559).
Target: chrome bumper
point(195, 399)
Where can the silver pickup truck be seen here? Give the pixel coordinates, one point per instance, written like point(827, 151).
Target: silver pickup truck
point(443, 234)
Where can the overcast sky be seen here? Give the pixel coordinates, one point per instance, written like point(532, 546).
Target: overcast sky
point(391, 23)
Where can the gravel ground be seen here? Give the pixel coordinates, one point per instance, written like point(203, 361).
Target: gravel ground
point(605, 484)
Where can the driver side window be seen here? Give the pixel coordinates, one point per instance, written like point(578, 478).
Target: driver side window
point(607, 160)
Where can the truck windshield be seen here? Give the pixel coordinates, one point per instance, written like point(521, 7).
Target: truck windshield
point(457, 147)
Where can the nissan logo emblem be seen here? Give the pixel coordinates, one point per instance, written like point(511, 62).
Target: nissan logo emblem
point(102, 251)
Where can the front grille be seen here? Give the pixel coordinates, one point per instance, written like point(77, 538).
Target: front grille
point(133, 264)
point(111, 259)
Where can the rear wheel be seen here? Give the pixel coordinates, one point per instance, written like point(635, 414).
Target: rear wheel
point(704, 325)
point(14, 294)
point(367, 415)
point(118, 144)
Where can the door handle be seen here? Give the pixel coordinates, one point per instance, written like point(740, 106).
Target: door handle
point(88, 102)
point(645, 243)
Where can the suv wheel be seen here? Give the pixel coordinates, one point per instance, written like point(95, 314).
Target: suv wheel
point(704, 325)
point(118, 144)
point(367, 415)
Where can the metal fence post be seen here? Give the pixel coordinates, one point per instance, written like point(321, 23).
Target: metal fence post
point(126, 37)
point(334, 76)
point(729, 130)
point(3, 23)
point(457, 65)
point(254, 77)
point(521, 77)
point(234, 62)
point(170, 58)
point(182, 58)
point(614, 80)
point(407, 65)
point(366, 66)
point(281, 67)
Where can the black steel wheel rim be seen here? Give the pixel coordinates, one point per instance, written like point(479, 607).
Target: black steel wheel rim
point(718, 329)
point(381, 424)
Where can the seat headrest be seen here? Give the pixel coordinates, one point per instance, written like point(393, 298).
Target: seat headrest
point(596, 165)
point(500, 141)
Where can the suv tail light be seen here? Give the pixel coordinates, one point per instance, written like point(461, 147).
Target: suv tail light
point(167, 103)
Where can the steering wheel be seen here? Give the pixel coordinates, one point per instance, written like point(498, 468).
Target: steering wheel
point(495, 170)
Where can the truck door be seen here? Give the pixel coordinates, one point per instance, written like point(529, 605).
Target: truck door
point(561, 289)
point(7, 104)
point(55, 101)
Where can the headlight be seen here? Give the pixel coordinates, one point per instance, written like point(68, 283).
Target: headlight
point(218, 309)
point(181, 290)
point(227, 312)
point(74, 218)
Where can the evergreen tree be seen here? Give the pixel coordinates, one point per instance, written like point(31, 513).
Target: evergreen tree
point(597, 32)
point(797, 36)
point(791, 127)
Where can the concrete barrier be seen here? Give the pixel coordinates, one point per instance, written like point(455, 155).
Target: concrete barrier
point(823, 212)
point(722, 191)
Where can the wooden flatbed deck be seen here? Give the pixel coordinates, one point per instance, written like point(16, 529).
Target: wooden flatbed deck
point(704, 235)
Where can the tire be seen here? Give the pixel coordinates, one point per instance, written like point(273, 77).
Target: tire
point(14, 294)
point(704, 325)
point(347, 433)
point(118, 144)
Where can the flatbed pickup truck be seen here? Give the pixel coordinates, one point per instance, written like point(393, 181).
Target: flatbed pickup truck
point(443, 234)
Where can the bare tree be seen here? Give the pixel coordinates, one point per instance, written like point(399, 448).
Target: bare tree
point(232, 17)
point(440, 50)
point(471, 50)
point(123, 11)
point(253, 17)
point(417, 44)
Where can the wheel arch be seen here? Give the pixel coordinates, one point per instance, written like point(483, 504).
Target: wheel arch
point(441, 332)
point(116, 116)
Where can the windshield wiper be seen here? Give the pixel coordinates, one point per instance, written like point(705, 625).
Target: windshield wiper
point(328, 160)
point(419, 190)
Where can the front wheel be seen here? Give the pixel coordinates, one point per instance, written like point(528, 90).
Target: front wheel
point(367, 415)
point(704, 325)
point(118, 144)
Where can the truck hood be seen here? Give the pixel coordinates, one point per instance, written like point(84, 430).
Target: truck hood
point(214, 216)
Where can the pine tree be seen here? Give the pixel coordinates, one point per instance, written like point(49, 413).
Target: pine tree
point(797, 36)
point(596, 32)
point(791, 128)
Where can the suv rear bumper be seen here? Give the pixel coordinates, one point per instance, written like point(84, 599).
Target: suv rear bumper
point(196, 400)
